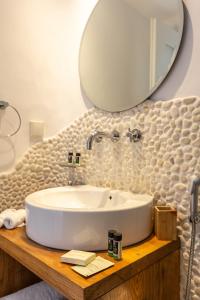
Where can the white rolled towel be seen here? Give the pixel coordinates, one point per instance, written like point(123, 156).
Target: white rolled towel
point(15, 219)
point(4, 214)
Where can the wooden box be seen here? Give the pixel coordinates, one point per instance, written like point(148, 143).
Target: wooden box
point(165, 223)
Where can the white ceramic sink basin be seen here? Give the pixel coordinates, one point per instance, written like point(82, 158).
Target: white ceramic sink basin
point(79, 217)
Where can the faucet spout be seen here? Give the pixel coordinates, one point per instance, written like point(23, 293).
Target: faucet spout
point(89, 142)
point(95, 136)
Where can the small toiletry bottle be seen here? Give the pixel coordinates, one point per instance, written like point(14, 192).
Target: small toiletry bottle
point(70, 158)
point(117, 246)
point(110, 242)
point(78, 158)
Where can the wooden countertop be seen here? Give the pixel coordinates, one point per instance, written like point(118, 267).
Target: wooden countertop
point(45, 263)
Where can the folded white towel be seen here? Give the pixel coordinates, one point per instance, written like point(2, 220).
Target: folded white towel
point(4, 214)
point(15, 219)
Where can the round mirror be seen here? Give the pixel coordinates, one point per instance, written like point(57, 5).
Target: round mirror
point(127, 49)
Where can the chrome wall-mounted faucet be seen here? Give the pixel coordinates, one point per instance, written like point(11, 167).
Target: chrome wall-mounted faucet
point(97, 137)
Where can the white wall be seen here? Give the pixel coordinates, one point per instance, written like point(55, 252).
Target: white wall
point(39, 45)
point(183, 79)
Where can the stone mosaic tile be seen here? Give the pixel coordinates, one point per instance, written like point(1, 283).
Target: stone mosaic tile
point(161, 164)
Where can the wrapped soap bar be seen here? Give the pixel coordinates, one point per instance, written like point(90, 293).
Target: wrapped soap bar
point(76, 257)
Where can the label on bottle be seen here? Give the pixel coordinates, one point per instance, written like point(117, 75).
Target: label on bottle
point(117, 249)
point(70, 157)
point(77, 159)
point(110, 246)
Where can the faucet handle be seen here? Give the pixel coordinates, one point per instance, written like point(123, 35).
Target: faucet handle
point(134, 135)
point(115, 136)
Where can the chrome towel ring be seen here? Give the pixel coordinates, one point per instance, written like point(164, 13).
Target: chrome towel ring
point(4, 105)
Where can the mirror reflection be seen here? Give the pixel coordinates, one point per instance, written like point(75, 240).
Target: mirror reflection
point(127, 49)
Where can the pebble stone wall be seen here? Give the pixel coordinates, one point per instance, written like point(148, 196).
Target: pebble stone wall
point(161, 164)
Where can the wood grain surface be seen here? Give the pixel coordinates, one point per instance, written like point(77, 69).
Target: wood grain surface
point(45, 263)
point(165, 223)
point(13, 275)
point(160, 281)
